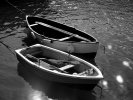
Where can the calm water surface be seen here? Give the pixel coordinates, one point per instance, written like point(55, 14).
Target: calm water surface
point(110, 21)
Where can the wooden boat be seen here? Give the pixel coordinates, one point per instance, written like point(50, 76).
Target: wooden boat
point(59, 67)
point(62, 37)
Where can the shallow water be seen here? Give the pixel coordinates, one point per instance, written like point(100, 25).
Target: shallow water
point(108, 20)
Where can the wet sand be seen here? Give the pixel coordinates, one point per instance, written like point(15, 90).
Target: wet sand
point(113, 29)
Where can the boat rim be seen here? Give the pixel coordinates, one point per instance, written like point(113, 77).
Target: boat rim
point(99, 76)
point(96, 41)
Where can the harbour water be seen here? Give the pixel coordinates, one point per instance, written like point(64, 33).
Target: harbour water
point(110, 21)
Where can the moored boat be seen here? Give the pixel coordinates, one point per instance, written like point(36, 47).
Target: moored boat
point(62, 37)
point(58, 66)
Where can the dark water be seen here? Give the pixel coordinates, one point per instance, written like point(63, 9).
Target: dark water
point(110, 21)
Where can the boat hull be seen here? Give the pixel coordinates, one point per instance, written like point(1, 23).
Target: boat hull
point(74, 47)
point(31, 75)
point(67, 46)
point(68, 80)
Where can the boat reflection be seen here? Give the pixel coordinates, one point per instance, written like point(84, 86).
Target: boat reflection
point(36, 95)
point(43, 90)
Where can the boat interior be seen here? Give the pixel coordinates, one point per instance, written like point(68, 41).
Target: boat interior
point(55, 30)
point(53, 60)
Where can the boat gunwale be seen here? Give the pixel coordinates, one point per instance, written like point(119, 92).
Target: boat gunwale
point(91, 42)
point(99, 76)
point(73, 42)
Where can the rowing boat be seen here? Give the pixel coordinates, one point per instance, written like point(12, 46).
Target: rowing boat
point(60, 36)
point(59, 67)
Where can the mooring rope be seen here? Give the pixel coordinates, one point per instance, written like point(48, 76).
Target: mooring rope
point(16, 7)
point(8, 48)
point(11, 34)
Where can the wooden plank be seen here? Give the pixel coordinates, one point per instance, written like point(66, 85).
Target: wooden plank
point(66, 67)
point(45, 63)
point(33, 25)
point(66, 32)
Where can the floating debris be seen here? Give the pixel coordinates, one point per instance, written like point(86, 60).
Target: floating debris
point(105, 84)
point(127, 64)
point(109, 46)
point(6, 31)
point(119, 79)
point(129, 38)
point(75, 7)
point(53, 2)
point(17, 17)
point(7, 23)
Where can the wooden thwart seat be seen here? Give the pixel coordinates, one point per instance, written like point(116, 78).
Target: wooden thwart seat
point(61, 30)
point(87, 72)
point(53, 64)
point(66, 67)
point(33, 24)
point(43, 24)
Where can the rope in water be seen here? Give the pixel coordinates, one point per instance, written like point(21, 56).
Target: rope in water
point(8, 48)
point(16, 7)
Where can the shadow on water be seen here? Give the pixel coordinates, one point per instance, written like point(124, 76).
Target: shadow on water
point(29, 40)
point(90, 57)
point(27, 7)
point(53, 90)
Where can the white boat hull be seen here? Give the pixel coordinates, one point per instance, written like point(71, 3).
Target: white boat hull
point(53, 30)
point(58, 77)
point(75, 47)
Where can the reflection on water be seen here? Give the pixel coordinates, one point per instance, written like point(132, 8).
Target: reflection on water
point(52, 90)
